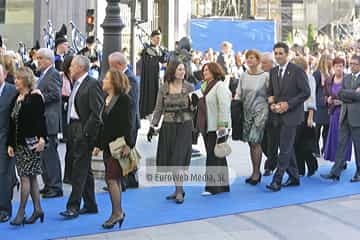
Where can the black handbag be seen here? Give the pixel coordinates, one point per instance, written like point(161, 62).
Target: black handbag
point(237, 117)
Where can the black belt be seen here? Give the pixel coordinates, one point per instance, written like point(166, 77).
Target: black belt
point(73, 120)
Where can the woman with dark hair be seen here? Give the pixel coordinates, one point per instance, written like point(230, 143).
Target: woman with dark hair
point(175, 138)
point(117, 123)
point(65, 93)
point(333, 87)
point(213, 120)
point(26, 140)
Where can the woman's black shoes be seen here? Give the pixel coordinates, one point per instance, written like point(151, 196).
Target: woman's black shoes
point(35, 217)
point(253, 181)
point(18, 222)
point(111, 224)
point(173, 196)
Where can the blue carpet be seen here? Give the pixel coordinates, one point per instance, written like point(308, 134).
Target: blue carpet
point(148, 207)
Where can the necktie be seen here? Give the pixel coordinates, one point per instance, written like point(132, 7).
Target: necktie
point(353, 77)
point(72, 100)
point(280, 75)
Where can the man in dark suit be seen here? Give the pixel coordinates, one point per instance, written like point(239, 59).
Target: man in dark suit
point(50, 84)
point(288, 90)
point(7, 165)
point(119, 61)
point(85, 103)
point(349, 121)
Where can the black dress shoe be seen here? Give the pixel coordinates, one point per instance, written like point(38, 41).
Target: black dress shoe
point(4, 217)
point(274, 187)
point(70, 213)
point(330, 176)
point(44, 190)
point(355, 178)
point(267, 173)
point(52, 194)
point(85, 210)
point(291, 182)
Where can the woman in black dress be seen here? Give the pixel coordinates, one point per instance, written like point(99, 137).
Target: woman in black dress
point(116, 117)
point(25, 141)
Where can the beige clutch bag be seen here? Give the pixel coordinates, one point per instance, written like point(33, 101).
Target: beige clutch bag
point(129, 163)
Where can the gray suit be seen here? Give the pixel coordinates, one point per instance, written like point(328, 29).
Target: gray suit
point(7, 166)
point(50, 86)
point(349, 123)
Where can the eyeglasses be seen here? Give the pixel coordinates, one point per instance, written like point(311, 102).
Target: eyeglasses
point(353, 63)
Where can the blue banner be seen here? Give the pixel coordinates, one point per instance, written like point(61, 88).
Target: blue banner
point(252, 34)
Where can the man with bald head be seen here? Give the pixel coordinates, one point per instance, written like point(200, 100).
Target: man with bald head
point(119, 61)
point(85, 103)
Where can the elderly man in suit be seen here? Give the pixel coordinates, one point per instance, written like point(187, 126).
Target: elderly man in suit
point(119, 61)
point(270, 144)
point(85, 103)
point(288, 90)
point(50, 84)
point(7, 167)
point(349, 121)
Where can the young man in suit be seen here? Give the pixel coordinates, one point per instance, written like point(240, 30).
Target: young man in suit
point(349, 121)
point(85, 103)
point(7, 165)
point(119, 61)
point(287, 92)
point(50, 84)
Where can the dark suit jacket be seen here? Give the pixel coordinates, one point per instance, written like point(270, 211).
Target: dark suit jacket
point(134, 96)
point(88, 102)
point(31, 120)
point(351, 101)
point(117, 123)
point(6, 168)
point(50, 86)
point(294, 90)
point(321, 115)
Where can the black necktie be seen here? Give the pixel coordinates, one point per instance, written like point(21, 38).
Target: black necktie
point(280, 76)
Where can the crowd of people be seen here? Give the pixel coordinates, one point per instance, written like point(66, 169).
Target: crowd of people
point(290, 98)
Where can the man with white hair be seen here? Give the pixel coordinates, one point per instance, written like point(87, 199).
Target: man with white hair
point(119, 61)
point(85, 103)
point(49, 83)
point(269, 144)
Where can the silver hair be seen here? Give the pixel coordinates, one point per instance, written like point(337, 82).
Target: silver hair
point(119, 57)
point(268, 55)
point(83, 62)
point(46, 53)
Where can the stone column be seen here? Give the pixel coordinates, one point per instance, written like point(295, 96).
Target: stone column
point(112, 26)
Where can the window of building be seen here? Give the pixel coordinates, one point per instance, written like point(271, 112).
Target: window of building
point(2, 11)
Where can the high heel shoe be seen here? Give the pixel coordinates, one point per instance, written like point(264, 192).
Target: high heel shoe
point(109, 225)
point(173, 196)
point(19, 222)
point(255, 181)
point(248, 180)
point(34, 217)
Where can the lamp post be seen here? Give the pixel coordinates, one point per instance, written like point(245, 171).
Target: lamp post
point(112, 26)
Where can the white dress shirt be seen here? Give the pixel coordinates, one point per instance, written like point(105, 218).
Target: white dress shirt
point(77, 84)
point(2, 88)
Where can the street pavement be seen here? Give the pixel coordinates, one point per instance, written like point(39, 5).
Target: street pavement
point(328, 220)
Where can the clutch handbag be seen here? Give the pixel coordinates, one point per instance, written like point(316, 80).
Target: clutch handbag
point(128, 163)
point(222, 149)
